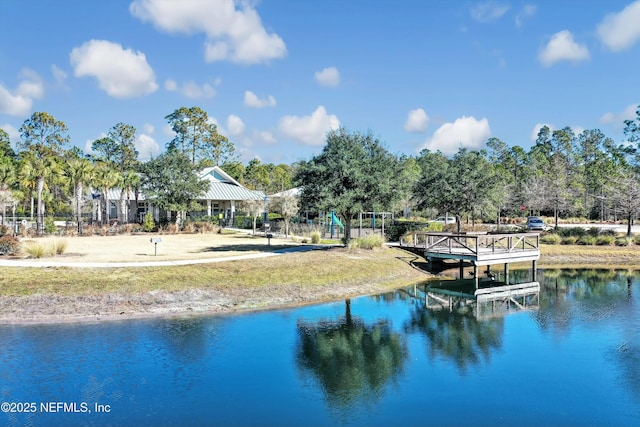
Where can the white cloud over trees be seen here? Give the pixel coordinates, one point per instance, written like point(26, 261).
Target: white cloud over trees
point(235, 35)
point(466, 132)
point(309, 130)
point(562, 47)
point(121, 73)
point(417, 121)
point(619, 31)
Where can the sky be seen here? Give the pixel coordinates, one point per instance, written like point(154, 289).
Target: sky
point(276, 75)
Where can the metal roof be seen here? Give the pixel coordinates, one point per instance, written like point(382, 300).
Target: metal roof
point(221, 187)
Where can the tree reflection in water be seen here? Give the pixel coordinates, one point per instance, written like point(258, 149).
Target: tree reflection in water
point(353, 361)
point(457, 335)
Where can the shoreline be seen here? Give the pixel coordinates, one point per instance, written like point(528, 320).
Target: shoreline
point(218, 286)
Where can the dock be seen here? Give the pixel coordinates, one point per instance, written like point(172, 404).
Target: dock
point(478, 249)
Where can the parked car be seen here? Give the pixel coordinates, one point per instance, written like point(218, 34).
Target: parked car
point(447, 220)
point(536, 223)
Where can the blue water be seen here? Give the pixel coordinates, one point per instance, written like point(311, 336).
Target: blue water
point(573, 359)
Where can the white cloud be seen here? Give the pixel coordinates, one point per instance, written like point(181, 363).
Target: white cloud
point(232, 34)
point(536, 130)
point(170, 85)
point(417, 121)
point(168, 131)
point(527, 11)
point(619, 31)
point(19, 101)
point(467, 132)
point(562, 47)
point(190, 89)
point(617, 120)
point(147, 147)
point(59, 75)
point(329, 76)
point(309, 130)
point(235, 125)
point(488, 11)
point(264, 136)
point(252, 100)
point(148, 128)
point(121, 73)
point(89, 142)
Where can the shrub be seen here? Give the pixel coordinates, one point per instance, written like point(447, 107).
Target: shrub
point(605, 240)
point(9, 245)
point(50, 225)
point(5, 230)
point(315, 237)
point(35, 250)
point(368, 242)
point(623, 241)
point(148, 224)
point(60, 246)
point(636, 239)
point(587, 239)
point(571, 232)
point(551, 239)
point(571, 240)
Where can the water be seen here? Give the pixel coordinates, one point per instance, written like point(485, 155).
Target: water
point(571, 359)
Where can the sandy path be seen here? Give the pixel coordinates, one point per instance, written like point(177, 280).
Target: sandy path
point(138, 248)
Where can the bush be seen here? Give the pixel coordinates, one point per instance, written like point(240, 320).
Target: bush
point(623, 241)
point(9, 245)
point(35, 250)
point(50, 225)
point(636, 239)
point(60, 246)
point(148, 224)
point(5, 230)
point(315, 237)
point(571, 232)
point(368, 242)
point(605, 240)
point(587, 239)
point(571, 240)
point(551, 239)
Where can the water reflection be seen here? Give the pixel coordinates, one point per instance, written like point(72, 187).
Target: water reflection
point(457, 335)
point(351, 359)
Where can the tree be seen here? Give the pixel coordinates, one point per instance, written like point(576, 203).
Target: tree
point(43, 141)
point(256, 176)
point(5, 146)
point(105, 178)
point(129, 181)
point(198, 137)
point(288, 205)
point(353, 173)
point(118, 147)
point(79, 172)
point(170, 181)
point(254, 208)
point(459, 185)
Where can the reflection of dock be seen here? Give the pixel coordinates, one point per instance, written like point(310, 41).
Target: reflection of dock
point(496, 299)
point(474, 248)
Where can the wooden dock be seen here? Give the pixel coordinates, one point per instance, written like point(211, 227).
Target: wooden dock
point(478, 249)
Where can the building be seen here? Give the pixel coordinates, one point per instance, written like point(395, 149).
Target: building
point(219, 200)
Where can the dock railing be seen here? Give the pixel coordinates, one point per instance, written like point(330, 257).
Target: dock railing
point(472, 244)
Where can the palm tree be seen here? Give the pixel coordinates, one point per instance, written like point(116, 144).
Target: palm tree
point(105, 178)
point(129, 181)
point(41, 168)
point(27, 179)
point(79, 172)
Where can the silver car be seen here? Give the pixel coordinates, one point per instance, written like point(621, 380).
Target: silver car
point(536, 223)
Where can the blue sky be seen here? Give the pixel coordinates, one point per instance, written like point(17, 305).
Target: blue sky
point(275, 75)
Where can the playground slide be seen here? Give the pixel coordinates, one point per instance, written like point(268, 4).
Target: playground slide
point(336, 221)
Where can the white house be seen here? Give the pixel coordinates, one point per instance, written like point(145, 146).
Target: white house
point(219, 200)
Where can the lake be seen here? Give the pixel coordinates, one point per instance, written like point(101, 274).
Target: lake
point(566, 356)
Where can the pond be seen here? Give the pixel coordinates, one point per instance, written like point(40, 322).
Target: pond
point(568, 356)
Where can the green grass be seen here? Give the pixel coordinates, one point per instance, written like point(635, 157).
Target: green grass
point(323, 268)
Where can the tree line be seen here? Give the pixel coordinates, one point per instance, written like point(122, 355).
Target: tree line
point(563, 174)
